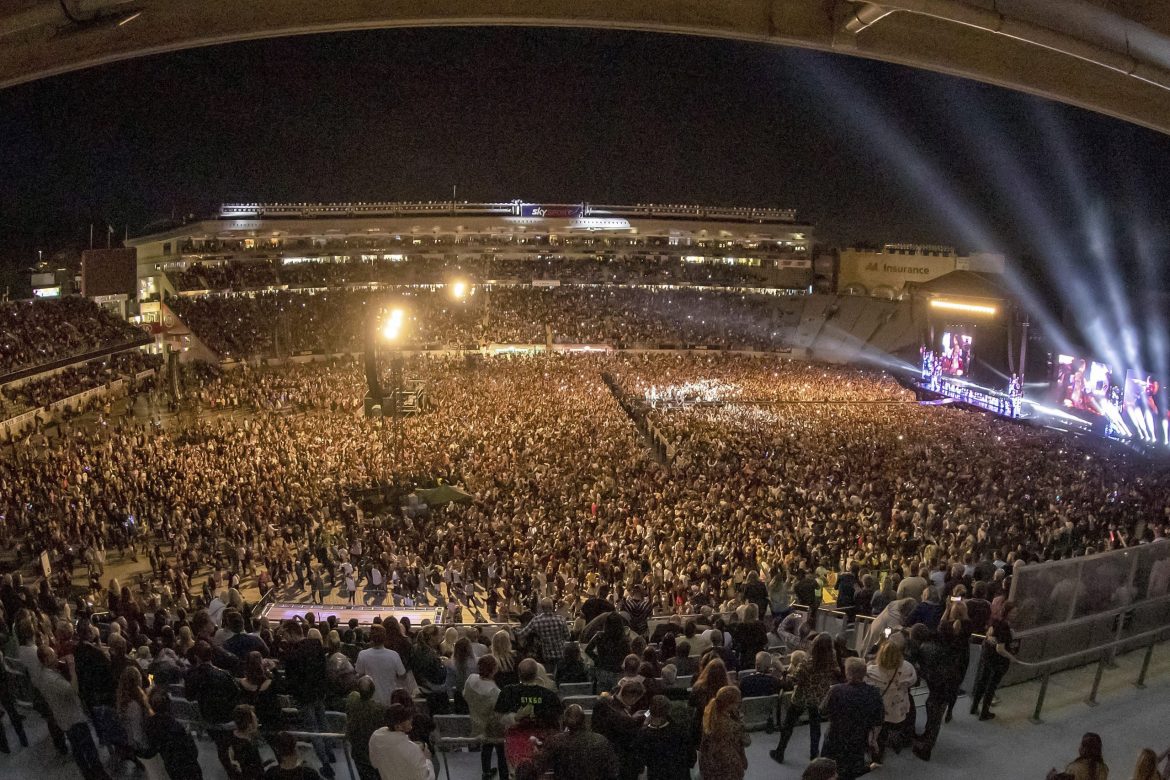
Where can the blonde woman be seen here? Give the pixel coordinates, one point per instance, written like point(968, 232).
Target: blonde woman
point(133, 709)
point(185, 641)
point(506, 659)
point(447, 646)
point(1147, 766)
point(721, 752)
point(893, 676)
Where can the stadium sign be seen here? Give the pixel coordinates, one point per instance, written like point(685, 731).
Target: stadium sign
point(537, 210)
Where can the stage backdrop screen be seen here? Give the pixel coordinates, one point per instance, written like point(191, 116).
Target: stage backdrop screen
point(955, 355)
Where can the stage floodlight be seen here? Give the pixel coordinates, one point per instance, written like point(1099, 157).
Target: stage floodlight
point(392, 326)
point(969, 308)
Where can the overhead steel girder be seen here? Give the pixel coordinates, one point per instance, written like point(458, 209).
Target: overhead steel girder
point(1082, 52)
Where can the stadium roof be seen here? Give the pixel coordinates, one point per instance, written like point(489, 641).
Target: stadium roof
point(965, 284)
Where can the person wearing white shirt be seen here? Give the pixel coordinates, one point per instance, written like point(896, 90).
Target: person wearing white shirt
point(383, 665)
point(216, 607)
point(394, 755)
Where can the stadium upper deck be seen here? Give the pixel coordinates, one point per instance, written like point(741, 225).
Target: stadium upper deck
point(292, 233)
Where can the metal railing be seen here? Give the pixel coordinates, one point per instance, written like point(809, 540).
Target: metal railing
point(1104, 654)
point(1107, 653)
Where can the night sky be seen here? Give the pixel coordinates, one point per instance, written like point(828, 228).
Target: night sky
point(867, 151)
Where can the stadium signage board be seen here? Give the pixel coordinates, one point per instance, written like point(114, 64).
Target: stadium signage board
point(537, 210)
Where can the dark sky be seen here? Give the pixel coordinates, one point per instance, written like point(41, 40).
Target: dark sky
point(867, 151)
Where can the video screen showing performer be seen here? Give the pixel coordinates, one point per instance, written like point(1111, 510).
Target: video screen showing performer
point(1084, 385)
point(1141, 407)
point(955, 356)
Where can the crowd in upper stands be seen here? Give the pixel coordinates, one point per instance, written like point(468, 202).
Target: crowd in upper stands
point(438, 269)
point(790, 481)
point(42, 391)
point(41, 331)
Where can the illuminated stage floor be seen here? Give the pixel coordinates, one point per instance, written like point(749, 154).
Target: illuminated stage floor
point(287, 610)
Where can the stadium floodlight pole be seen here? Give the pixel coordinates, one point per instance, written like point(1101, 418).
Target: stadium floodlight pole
point(1024, 348)
point(392, 332)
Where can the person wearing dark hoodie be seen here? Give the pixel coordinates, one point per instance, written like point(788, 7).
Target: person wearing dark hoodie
point(665, 746)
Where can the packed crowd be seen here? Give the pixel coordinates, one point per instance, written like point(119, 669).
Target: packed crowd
point(418, 268)
point(813, 480)
point(41, 331)
point(671, 695)
point(334, 321)
point(42, 391)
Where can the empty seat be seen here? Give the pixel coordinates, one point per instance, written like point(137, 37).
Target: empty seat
point(759, 712)
point(575, 689)
point(453, 732)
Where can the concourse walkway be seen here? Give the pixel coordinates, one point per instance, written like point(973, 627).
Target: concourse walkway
point(1009, 747)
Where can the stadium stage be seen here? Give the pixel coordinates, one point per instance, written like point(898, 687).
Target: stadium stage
point(286, 610)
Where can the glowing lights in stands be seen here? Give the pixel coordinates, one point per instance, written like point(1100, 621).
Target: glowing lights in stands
point(393, 326)
point(967, 308)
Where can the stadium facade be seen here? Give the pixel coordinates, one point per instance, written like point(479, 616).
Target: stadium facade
point(772, 240)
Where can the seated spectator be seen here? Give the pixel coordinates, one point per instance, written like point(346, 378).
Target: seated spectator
point(671, 688)
point(239, 643)
point(572, 667)
point(820, 769)
point(929, 610)
point(1147, 766)
point(1089, 764)
point(760, 681)
point(684, 660)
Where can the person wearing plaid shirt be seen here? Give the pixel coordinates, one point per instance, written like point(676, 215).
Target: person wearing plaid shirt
point(553, 632)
